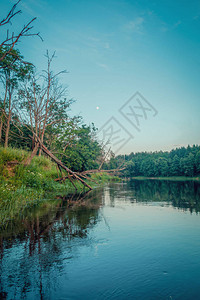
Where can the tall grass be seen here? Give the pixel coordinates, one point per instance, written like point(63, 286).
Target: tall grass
point(104, 177)
point(10, 154)
point(22, 187)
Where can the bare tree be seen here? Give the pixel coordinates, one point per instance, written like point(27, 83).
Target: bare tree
point(43, 103)
point(4, 82)
point(11, 39)
point(9, 59)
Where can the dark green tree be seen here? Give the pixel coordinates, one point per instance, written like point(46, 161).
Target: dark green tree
point(197, 162)
point(83, 152)
point(175, 166)
point(12, 73)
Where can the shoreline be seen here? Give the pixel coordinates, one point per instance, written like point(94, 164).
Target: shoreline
point(171, 178)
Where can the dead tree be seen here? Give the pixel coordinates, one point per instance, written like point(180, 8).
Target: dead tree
point(43, 102)
point(54, 92)
point(13, 38)
point(3, 108)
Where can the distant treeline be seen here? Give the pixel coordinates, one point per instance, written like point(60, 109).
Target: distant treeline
point(178, 162)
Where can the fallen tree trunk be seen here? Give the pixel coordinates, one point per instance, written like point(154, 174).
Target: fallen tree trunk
point(70, 173)
point(102, 171)
point(79, 174)
point(59, 163)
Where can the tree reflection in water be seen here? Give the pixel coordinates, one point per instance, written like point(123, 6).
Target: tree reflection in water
point(183, 195)
point(41, 240)
point(36, 248)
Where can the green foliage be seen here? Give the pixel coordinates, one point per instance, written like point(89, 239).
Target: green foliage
point(38, 104)
point(24, 187)
point(14, 201)
point(104, 177)
point(36, 178)
point(178, 162)
point(83, 150)
point(13, 64)
point(19, 181)
point(197, 162)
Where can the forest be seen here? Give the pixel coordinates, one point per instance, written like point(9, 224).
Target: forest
point(184, 161)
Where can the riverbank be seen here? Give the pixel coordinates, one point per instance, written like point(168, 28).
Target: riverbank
point(171, 178)
point(23, 187)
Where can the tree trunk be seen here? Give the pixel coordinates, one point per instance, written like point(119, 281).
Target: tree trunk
point(8, 120)
point(29, 158)
point(1, 127)
point(59, 163)
point(40, 152)
point(3, 111)
point(7, 130)
point(42, 137)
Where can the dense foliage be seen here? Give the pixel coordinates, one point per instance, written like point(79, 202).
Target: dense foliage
point(178, 162)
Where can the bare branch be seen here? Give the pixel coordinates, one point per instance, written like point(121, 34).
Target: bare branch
point(11, 14)
point(12, 40)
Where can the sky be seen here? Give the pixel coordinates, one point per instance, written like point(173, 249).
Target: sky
point(133, 66)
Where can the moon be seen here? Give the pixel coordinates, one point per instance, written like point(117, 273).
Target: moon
point(97, 107)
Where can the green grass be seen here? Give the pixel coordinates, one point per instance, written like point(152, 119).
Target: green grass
point(104, 177)
point(23, 187)
point(10, 154)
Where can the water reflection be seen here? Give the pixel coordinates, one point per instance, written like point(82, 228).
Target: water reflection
point(184, 195)
point(37, 246)
point(33, 244)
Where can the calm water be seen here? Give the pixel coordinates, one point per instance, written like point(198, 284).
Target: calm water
point(139, 240)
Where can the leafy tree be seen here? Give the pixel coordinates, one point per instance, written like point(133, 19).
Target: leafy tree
point(130, 169)
point(175, 166)
point(43, 105)
point(178, 162)
point(189, 165)
point(161, 167)
point(83, 152)
point(197, 162)
point(10, 80)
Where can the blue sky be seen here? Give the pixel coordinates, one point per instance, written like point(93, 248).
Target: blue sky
point(112, 49)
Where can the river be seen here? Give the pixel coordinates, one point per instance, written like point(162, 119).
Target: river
point(133, 240)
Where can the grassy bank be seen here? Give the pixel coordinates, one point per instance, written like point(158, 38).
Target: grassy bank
point(24, 187)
